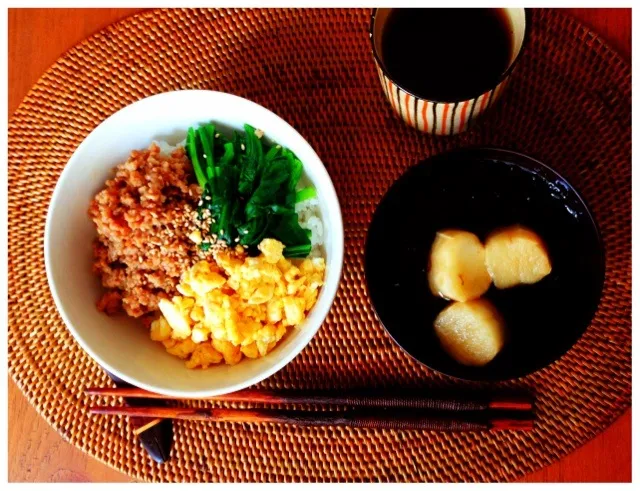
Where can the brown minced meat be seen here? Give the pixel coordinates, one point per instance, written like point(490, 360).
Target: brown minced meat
point(143, 217)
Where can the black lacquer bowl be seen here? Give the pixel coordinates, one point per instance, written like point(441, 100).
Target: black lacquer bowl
point(480, 190)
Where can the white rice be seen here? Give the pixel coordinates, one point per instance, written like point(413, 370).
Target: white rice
point(309, 217)
point(308, 211)
point(167, 149)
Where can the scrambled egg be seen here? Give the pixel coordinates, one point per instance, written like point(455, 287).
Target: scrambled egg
point(237, 306)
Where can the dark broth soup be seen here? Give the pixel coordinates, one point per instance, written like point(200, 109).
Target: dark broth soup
point(447, 54)
point(482, 190)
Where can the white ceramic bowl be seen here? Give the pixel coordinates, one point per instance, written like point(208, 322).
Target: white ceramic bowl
point(120, 344)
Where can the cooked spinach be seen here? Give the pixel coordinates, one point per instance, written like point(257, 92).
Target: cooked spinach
point(305, 194)
point(249, 187)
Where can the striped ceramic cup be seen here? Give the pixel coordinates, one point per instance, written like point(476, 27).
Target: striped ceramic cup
point(442, 117)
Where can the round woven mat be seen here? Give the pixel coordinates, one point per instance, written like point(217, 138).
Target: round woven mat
point(569, 105)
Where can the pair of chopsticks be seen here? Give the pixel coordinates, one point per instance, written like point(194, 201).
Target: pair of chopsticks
point(365, 409)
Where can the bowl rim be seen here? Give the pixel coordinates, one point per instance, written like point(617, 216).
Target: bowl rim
point(495, 153)
point(329, 289)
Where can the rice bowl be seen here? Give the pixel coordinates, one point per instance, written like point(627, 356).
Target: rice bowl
point(116, 343)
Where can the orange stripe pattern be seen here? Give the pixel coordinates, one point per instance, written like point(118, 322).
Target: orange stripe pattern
point(408, 110)
point(485, 97)
point(443, 130)
point(406, 106)
point(463, 113)
point(425, 124)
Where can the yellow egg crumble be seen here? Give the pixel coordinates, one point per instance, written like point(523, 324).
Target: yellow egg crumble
point(237, 306)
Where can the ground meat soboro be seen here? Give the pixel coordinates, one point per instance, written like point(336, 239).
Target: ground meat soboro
point(143, 217)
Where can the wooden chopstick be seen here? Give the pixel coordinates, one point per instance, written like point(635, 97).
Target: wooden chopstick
point(359, 418)
point(367, 398)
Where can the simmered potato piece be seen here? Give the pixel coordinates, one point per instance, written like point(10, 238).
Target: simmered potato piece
point(516, 255)
point(471, 332)
point(457, 268)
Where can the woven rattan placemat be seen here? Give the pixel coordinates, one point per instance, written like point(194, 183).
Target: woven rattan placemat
point(569, 105)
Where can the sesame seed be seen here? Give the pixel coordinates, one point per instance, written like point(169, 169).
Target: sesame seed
point(217, 135)
point(208, 198)
point(237, 239)
point(242, 147)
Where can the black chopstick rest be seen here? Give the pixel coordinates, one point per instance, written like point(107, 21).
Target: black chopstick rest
point(157, 440)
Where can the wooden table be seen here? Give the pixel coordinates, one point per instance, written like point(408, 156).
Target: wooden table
point(37, 37)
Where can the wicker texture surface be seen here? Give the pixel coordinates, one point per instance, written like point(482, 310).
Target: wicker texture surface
point(568, 104)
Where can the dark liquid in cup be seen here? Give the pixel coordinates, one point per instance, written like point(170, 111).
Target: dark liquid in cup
point(447, 55)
